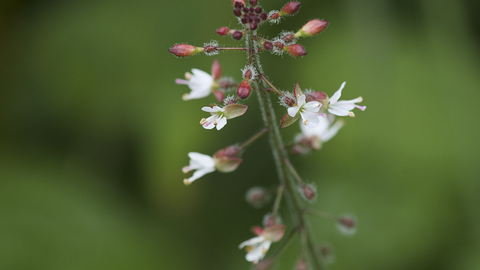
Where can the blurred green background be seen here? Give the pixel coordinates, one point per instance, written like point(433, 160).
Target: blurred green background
point(93, 135)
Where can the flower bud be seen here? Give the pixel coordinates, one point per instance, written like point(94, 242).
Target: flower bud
point(264, 264)
point(219, 95)
point(244, 89)
point(226, 160)
point(253, 2)
point(274, 233)
point(290, 8)
point(311, 28)
point(223, 31)
point(296, 50)
point(347, 224)
point(237, 35)
point(274, 16)
point(271, 219)
point(309, 192)
point(301, 264)
point(257, 197)
point(184, 50)
point(268, 45)
point(327, 254)
point(288, 37)
point(238, 3)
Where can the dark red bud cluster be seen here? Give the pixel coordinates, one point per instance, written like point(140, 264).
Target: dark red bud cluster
point(250, 15)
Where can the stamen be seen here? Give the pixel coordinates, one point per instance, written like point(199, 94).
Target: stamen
point(186, 182)
point(186, 169)
point(305, 121)
point(180, 81)
point(264, 250)
point(351, 114)
point(360, 99)
point(203, 121)
point(361, 107)
point(185, 96)
point(215, 122)
point(188, 75)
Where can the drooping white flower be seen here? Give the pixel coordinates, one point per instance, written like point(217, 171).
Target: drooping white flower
point(199, 82)
point(308, 111)
point(343, 107)
point(326, 129)
point(217, 119)
point(258, 246)
point(203, 164)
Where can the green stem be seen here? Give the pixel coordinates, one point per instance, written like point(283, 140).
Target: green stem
point(254, 138)
point(279, 155)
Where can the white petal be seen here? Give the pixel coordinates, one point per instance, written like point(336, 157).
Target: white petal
point(209, 122)
point(301, 100)
point(221, 122)
point(199, 173)
point(200, 84)
point(311, 117)
point(337, 94)
point(338, 111)
point(292, 111)
point(332, 131)
point(318, 131)
point(252, 241)
point(345, 105)
point(204, 161)
point(256, 254)
point(313, 106)
point(211, 110)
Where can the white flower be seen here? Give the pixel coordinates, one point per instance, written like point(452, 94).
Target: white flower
point(199, 82)
point(203, 164)
point(343, 107)
point(217, 119)
point(308, 111)
point(258, 246)
point(324, 131)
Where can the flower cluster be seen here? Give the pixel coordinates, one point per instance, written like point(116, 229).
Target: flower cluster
point(317, 111)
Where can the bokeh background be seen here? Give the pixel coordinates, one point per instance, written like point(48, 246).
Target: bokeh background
point(93, 134)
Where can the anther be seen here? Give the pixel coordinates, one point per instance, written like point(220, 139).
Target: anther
point(203, 121)
point(351, 114)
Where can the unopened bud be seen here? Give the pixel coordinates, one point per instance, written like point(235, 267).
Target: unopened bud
point(289, 37)
point(263, 16)
point(327, 254)
point(253, 2)
point(279, 45)
point(227, 160)
point(223, 31)
point(274, 16)
point(265, 264)
point(244, 89)
point(257, 197)
point(301, 264)
point(238, 3)
point(268, 45)
point(311, 28)
point(308, 192)
point(271, 219)
point(184, 50)
point(347, 225)
point(253, 26)
point(237, 35)
point(290, 8)
point(210, 49)
point(296, 50)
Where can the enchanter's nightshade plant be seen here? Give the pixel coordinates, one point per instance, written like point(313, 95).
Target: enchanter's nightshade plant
point(315, 109)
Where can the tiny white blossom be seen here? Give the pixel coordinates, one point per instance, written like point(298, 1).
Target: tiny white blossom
point(203, 164)
point(308, 111)
point(217, 119)
point(343, 107)
point(324, 131)
point(199, 82)
point(258, 246)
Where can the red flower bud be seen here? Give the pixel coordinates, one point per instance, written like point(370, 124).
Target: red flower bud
point(311, 28)
point(288, 37)
point(274, 16)
point(290, 8)
point(244, 89)
point(268, 45)
point(347, 224)
point(265, 264)
point(308, 192)
point(237, 35)
point(296, 50)
point(184, 50)
point(223, 31)
point(301, 264)
point(253, 2)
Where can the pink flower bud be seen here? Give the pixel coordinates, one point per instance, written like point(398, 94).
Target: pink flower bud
point(308, 192)
point(311, 28)
point(216, 70)
point(184, 50)
point(227, 160)
point(290, 8)
point(289, 37)
point(274, 233)
point(257, 197)
point(296, 50)
point(219, 95)
point(223, 31)
point(274, 16)
point(347, 224)
point(244, 89)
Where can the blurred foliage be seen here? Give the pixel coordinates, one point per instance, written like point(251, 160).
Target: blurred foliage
point(93, 134)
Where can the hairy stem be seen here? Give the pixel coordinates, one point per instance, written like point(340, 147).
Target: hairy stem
point(279, 155)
